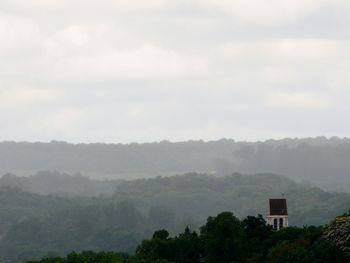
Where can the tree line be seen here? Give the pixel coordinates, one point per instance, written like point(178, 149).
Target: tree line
point(323, 161)
point(224, 239)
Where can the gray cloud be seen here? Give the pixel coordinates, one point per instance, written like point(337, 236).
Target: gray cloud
point(122, 71)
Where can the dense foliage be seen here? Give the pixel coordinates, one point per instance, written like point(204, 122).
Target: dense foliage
point(194, 197)
point(102, 257)
point(226, 239)
point(319, 160)
point(33, 226)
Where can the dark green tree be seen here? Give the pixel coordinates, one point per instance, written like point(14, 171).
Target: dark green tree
point(189, 248)
point(223, 238)
point(257, 232)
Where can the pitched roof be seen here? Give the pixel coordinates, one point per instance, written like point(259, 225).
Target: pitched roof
point(278, 207)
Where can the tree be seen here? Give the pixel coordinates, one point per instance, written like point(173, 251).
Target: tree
point(159, 247)
point(223, 237)
point(189, 248)
point(257, 232)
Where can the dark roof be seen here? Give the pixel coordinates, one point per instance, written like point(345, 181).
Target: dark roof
point(278, 207)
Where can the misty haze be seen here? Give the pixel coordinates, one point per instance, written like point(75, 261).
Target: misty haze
point(174, 131)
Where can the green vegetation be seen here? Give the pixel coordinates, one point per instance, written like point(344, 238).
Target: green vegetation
point(33, 226)
point(194, 197)
point(102, 257)
point(225, 239)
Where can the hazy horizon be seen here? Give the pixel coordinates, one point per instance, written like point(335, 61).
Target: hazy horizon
point(183, 141)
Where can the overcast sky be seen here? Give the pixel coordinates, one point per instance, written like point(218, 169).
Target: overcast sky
point(148, 70)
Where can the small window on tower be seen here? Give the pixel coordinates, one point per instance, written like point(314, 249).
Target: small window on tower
point(281, 223)
point(275, 223)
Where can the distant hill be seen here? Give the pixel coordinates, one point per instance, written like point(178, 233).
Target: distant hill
point(198, 195)
point(54, 183)
point(324, 162)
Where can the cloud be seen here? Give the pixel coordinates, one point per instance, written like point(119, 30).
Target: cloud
point(90, 52)
point(18, 36)
point(166, 69)
point(297, 101)
point(144, 62)
point(293, 49)
point(91, 6)
point(267, 13)
point(65, 121)
point(26, 96)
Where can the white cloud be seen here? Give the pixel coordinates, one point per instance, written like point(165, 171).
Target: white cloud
point(26, 96)
point(297, 101)
point(74, 34)
point(270, 12)
point(94, 5)
point(145, 62)
point(171, 69)
point(293, 49)
point(18, 36)
point(65, 121)
point(277, 74)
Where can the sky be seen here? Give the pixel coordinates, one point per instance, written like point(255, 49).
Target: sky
point(125, 71)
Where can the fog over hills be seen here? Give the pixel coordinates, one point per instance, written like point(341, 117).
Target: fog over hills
point(109, 197)
point(54, 183)
point(35, 225)
point(322, 161)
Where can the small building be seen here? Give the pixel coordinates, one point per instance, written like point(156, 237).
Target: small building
point(278, 214)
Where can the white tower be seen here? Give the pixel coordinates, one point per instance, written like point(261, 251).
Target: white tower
point(278, 214)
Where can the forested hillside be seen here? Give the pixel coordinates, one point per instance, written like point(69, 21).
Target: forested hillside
point(34, 226)
point(324, 162)
point(46, 182)
point(226, 239)
point(196, 196)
